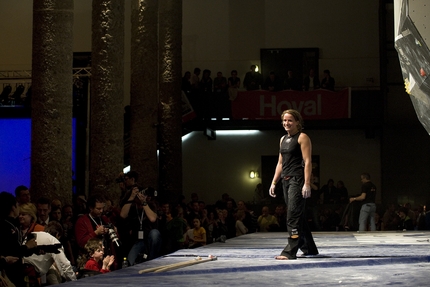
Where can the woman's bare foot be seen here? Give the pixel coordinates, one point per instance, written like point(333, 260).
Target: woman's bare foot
point(281, 257)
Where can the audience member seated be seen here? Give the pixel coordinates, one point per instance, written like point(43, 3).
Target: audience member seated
point(194, 213)
point(390, 220)
point(406, 222)
point(197, 237)
point(230, 220)
point(250, 219)
point(43, 206)
point(221, 231)
point(22, 194)
point(222, 203)
point(55, 214)
point(266, 221)
point(210, 225)
point(230, 206)
point(80, 205)
point(173, 238)
point(194, 197)
point(95, 225)
point(204, 221)
point(164, 214)
point(240, 227)
point(96, 262)
point(27, 220)
point(28, 225)
point(56, 203)
point(281, 217)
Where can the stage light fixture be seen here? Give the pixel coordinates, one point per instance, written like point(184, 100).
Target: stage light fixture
point(253, 174)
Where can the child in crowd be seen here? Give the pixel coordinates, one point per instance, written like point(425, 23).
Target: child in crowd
point(198, 236)
point(240, 227)
point(94, 247)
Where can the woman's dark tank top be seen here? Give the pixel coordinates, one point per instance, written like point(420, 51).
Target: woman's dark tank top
point(292, 158)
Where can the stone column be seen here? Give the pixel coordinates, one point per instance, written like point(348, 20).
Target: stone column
point(51, 136)
point(107, 93)
point(170, 144)
point(144, 91)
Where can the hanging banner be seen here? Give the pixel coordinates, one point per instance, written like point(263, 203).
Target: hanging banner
point(313, 105)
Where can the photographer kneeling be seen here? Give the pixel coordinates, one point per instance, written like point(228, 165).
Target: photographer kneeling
point(138, 225)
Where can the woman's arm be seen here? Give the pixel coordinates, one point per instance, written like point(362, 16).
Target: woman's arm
point(306, 147)
point(277, 175)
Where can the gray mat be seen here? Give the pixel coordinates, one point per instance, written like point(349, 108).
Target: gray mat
point(347, 259)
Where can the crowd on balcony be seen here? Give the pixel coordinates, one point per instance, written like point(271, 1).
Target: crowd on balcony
point(211, 98)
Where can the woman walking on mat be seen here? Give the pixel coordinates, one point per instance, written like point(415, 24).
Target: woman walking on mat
point(294, 167)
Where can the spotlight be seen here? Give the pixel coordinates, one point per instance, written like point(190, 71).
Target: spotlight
point(253, 174)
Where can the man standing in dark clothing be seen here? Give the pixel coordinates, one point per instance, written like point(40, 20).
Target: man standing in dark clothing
point(252, 79)
point(311, 82)
point(368, 209)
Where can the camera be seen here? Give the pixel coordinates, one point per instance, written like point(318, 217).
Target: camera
point(149, 191)
point(112, 234)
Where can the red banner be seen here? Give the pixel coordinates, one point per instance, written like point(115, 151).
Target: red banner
point(313, 105)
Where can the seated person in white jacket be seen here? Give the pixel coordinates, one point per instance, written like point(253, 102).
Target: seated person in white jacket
point(51, 263)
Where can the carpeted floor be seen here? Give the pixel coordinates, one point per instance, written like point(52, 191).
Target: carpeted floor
point(346, 259)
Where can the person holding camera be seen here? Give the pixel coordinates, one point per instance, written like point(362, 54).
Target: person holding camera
point(138, 224)
point(126, 182)
point(95, 224)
